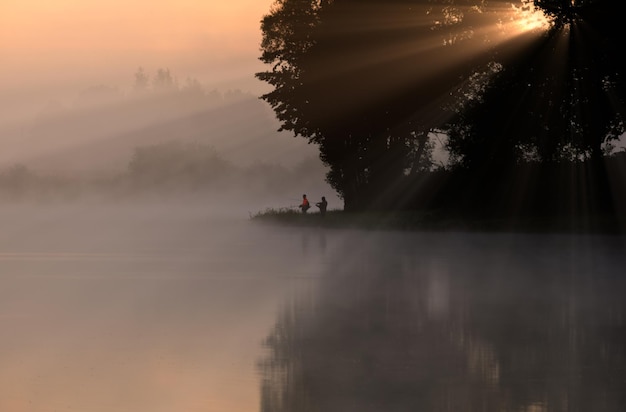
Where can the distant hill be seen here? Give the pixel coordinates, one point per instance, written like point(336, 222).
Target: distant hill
point(99, 135)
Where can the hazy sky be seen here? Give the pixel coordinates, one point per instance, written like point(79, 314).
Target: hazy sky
point(51, 45)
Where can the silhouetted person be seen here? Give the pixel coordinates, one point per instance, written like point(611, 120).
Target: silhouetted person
point(322, 205)
point(304, 206)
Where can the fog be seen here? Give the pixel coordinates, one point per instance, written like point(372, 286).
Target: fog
point(163, 139)
point(52, 50)
point(166, 306)
point(99, 129)
point(131, 308)
point(132, 278)
point(75, 109)
point(454, 321)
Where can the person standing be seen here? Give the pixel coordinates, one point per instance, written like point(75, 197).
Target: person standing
point(322, 205)
point(304, 206)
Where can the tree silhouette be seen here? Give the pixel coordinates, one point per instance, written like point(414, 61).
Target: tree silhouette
point(177, 165)
point(367, 82)
point(142, 81)
point(558, 101)
point(564, 96)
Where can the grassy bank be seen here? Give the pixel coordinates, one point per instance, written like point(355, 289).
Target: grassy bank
point(440, 221)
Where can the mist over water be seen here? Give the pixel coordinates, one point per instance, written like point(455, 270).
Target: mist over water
point(132, 278)
point(180, 305)
point(455, 322)
point(137, 307)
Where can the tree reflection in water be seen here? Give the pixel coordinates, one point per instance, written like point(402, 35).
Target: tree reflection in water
point(434, 322)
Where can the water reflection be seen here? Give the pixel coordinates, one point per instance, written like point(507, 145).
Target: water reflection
point(139, 307)
point(409, 322)
point(161, 309)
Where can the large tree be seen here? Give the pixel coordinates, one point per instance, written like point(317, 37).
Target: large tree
point(368, 81)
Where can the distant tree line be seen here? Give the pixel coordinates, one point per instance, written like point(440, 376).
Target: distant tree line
point(171, 169)
point(163, 86)
point(531, 117)
point(99, 129)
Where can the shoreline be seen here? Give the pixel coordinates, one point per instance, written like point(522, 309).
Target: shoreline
point(442, 222)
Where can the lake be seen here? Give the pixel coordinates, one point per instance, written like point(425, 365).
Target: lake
point(169, 308)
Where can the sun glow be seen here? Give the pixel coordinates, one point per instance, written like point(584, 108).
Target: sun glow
point(72, 44)
point(528, 18)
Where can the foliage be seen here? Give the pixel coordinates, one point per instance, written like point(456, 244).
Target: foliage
point(368, 85)
point(555, 108)
point(351, 77)
point(560, 98)
point(141, 80)
point(174, 163)
point(171, 168)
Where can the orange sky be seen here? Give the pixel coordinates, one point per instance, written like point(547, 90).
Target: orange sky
point(49, 44)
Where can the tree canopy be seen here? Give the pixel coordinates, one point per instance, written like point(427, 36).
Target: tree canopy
point(562, 98)
point(369, 81)
point(357, 79)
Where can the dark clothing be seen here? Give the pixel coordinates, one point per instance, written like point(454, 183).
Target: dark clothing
point(322, 205)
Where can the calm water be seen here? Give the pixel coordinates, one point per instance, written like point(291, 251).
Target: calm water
point(166, 309)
